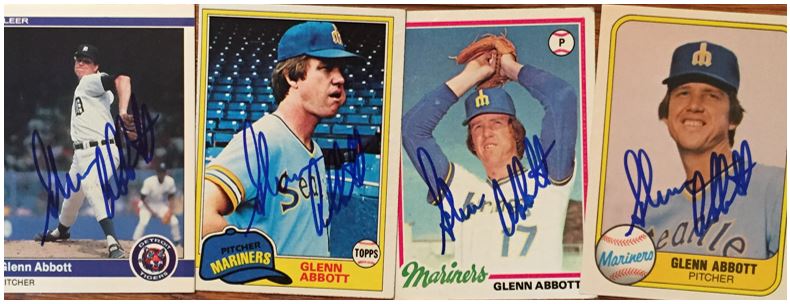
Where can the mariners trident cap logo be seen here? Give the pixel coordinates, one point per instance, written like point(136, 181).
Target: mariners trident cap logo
point(704, 61)
point(493, 100)
point(316, 39)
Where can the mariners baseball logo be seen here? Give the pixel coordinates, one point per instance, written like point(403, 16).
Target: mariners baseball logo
point(625, 259)
point(481, 100)
point(702, 57)
point(153, 258)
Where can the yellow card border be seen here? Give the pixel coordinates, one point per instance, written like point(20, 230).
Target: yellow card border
point(376, 272)
point(604, 151)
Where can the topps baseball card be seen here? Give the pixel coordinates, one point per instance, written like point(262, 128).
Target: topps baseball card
point(493, 143)
point(98, 149)
point(690, 196)
point(299, 120)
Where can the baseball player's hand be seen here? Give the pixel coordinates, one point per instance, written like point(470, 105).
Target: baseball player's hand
point(481, 67)
point(128, 127)
point(166, 218)
point(475, 71)
point(510, 67)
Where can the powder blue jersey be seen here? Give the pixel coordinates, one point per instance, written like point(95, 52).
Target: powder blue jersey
point(290, 201)
point(750, 229)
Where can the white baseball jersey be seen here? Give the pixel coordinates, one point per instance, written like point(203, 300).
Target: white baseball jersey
point(90, 110)
point(156, 193)
point(537, 242)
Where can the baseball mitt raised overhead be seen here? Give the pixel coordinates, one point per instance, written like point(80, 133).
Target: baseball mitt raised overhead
point(488, 43)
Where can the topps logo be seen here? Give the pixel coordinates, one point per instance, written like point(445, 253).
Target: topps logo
point(16, 20)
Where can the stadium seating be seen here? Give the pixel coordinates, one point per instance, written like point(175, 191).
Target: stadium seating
point(242, 56)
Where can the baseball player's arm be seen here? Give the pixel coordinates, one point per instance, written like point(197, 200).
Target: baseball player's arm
point(123, 86)
point(559, 123)
point(420, 121)
point(216, 205)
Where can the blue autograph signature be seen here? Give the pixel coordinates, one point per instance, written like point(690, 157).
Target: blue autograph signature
point(739, 173)
point(522, 196)
point(66, 186)
point(337, 195)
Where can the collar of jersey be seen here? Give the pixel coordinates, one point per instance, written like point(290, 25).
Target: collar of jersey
point(311, 153)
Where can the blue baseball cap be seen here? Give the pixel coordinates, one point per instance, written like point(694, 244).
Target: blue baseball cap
point(493, 100)
point(238, 257)
point(704, 60)
point(316, 39)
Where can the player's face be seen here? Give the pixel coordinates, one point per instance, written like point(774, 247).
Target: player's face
point(322, 89)
point(698, 118)
point(493, 138)
point(84, 66)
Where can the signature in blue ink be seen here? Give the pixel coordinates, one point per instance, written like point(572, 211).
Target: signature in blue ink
point(522, 196)
point(723, 175)
point(66, 186)
point(337, 194)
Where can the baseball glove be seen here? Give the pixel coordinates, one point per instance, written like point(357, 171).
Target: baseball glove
point(128, 126)
point(490, 42)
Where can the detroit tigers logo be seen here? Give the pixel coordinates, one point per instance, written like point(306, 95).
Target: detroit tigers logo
point(702, 56)
point(78, 108)
point(336, 35)
point(481, 100)
point(153, 258)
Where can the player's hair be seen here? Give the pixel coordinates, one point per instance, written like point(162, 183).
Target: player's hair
point(296, 69)
point(518, 135)
point(735, 115)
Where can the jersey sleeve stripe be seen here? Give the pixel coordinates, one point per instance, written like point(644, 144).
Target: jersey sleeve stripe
point(232, 178)
point(234, 200)
point(447, 180)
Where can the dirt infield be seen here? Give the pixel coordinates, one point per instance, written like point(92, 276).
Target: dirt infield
point(80, 249)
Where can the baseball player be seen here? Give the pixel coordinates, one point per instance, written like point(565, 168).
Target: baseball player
point(90, 113)
point(308, 85)
point(701, 111)
point(157, 197)
point(496, 137)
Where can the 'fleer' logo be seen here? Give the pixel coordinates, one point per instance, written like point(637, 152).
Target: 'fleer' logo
point(481, 100)
point(336, 35)
point(153, 258)
point(702, 57)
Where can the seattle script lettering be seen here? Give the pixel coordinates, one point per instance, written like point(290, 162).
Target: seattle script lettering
point(256, 148)
point(717, 202)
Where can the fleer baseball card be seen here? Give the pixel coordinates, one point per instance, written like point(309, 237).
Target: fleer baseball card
point(299, 120)
point(98, 149)
point(690, 156)
point(494, 155)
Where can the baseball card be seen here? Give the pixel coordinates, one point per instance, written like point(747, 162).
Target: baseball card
point(297, 160)
point(493, 153)
point(99, 136)
point(690, 183)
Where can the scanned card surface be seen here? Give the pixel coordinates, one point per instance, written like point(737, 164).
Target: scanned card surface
point(493, 177)
point(690, 195)
point(99, 140)
point(299, 120)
